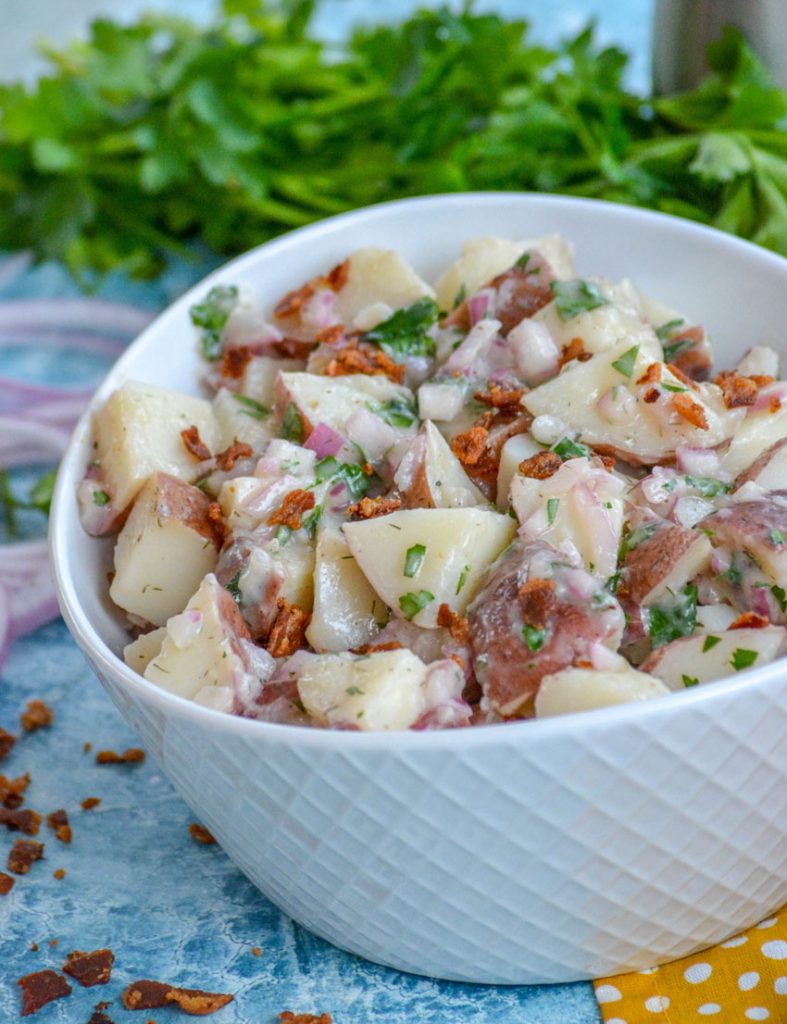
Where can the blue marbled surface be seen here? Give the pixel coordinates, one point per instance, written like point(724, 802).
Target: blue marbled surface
point(135, 881)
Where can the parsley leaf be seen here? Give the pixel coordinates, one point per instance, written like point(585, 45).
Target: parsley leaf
point(670, 620)
point(743, 658)
point(404, 333)
point(709, 643)
point(291, 428)
point(211, 315)
point(412, 604)
point(625, 364)
point(781, 597)
point(351, 474)
point(414, 560)
point(663, 332)
point(568, 449)
point(100, 498)
point(397, 412)
point(575, 297)
point(534, 638)
point(690, 680)
point(251, 407)
point(552, 507)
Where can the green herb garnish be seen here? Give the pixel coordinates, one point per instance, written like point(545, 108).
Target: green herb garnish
point(534, 638)
point(690, 680)
point(781, 596)
point(351, 474)
point(663, 332)
point(743, 658)
point(292, 425)
point(568, 449)
point(412, 604)
point(404, 333)
point(234, 587)
point(676, 389)
point(252, 408)
point(354, 691)
point(776, 538)
point(709, 643)
point(671, 620)
point(397, 412)
point(462, 578)
point(552, 506)
point(625, 364)
point(211, 316)
point(100, 498)
point(575, 297)
point(414, 560)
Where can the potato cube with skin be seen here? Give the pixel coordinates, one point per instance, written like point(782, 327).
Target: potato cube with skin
point(583, 689)
point(769, 471)
point(514, 451)
point(381, 691)
point(333, 400)
point(202, 645)
point(240, 419)
point(347, 612)
point(703, 658)
point(431, 476)
point(166, 546)
point(419, 559)
point(137, 433)
point(140, 652)
point(765, 423)
point(664, 562)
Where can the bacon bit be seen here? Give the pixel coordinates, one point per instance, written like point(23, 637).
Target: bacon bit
point(58, 822)
point(337, 277)
point(737, 390)
point(218, 521)
point(7, 741)
point(455, 624)
point(373, 362)
point(23, 820)
point(750, 620)
point(607, 461)
point(774, 406)
point(370, 508)
point(12, 790)
point(367, 469)
point(652, 375)
point(691, 411)
point(498, 397)
point(682, 377)
point(574, 350)
point(53, 942)
point(86, 748)
point(99, 1017)
point(40, 988)
point(541, 466)
point(194, 444)
point(538, 600)
point(289, 626)
point(237, 450)
point(90, 969)
point(33, 945)
point(154, 995)
point(305, 1018)
point(391, 645)
point(200, 834)
point(292, 508)
point(90, 802)
point(7, 883)
point(235, 360)
point(24, 853)
point(330, 335)
point(651, 395)
point(292, 302)
point(38, 715)
point(59, 874)
point(583, 663)
point(292, 348)
point(471, 445)
point(256, 951)
point(762, 380)
point(458, 661)
point(134, 755)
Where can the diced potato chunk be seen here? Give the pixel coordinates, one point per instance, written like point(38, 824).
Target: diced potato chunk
point(598, 329)
point(374, 276)
point(346, 609)
point(137, 433)
point(665, 562)
point(166, 546)
point(418, 559)
point(140, 652)
point(431, 476)
point(703, 658)
point(240, 421)
point(381, 691)
point(758, 432)
point(201, 647)
point(483, 259)
point(769, 471)
point(259, 377)
point(582, 689)
point(515, 450)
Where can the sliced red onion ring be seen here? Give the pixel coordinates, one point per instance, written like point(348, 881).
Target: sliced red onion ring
point(324, 440)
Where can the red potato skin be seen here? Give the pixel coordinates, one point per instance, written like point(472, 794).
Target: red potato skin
point(509, 672)
point(654, 558)
point(232, 560)
point(696, 359)
point(520, 293)
point(759, 464)
point(175, 499)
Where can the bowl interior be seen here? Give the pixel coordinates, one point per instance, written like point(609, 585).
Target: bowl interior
point(738, 291)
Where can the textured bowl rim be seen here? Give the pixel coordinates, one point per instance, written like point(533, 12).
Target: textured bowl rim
point(536, 730)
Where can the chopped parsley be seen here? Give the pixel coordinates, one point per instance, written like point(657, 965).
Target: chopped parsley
point(412, 604)
point(234, 587)
point(690, 680)
point(211, 315)
point(776, 538)
point(100, 498)
point(625, 364)
point(405, 332)
point(309, 522)
point(523, 261)
point(568, 449)
point(575, 297)
point(291, 428)
point(781, 597)
point(707, 486)
point(462, 578)
point(461, 295)
point(252, 408)
point(351, 475)
point(676, 389)
point(743, 658)
point(534, 638)
point(397, 412)
point(663, 332)
point(733, 575)
point(634, 538)
point(414, 560)
point(354, 691)
point(552, 506)
point(672, 620)
point(710, 643)
point(283, 535)
point(670, 351)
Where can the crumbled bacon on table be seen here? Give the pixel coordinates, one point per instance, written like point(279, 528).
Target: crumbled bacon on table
point(134, 755)
point(292, 508)
point(305, 1018)
point(289, 628)
point(23, 854)
point(6, 883)
point(58, 822)
point(90, 802)
point(12, 790)
point(90, 968)
point(200, 834)
point(37, 715)
point(154, 995)
point(40, 988)
point(21, 820)
point(7, 741)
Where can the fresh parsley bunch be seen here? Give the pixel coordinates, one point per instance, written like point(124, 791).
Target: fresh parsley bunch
point(163, 138)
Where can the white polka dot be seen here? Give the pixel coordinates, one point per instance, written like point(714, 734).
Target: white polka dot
point(756, 1013)
point(697, 973)
point(708, 1009)
point(776, 950)
point(608, 994)
point(648, 970)
point(769, 923)
point(616, 1020)
point(780, 986)
point(739, 940)
point(657, 1003)
point(748, 980)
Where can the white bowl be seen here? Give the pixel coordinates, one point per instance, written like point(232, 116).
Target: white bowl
point(545, 851)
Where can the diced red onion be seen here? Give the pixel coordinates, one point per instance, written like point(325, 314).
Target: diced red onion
point(535, 352)
point(324, 441)
point(374, 435)
point(474, 345)
point(765, 395)
point(478, 304)
point(761, 601)
point(580, 584)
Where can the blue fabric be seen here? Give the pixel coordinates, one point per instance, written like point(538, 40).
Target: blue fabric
point(135, 881)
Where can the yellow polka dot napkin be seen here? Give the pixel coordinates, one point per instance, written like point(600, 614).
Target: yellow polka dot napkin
point(742, 980)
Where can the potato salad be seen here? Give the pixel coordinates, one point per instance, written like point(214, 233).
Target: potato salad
point(510, 493)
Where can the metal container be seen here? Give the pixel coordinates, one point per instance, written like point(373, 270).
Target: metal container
point(682, 30)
